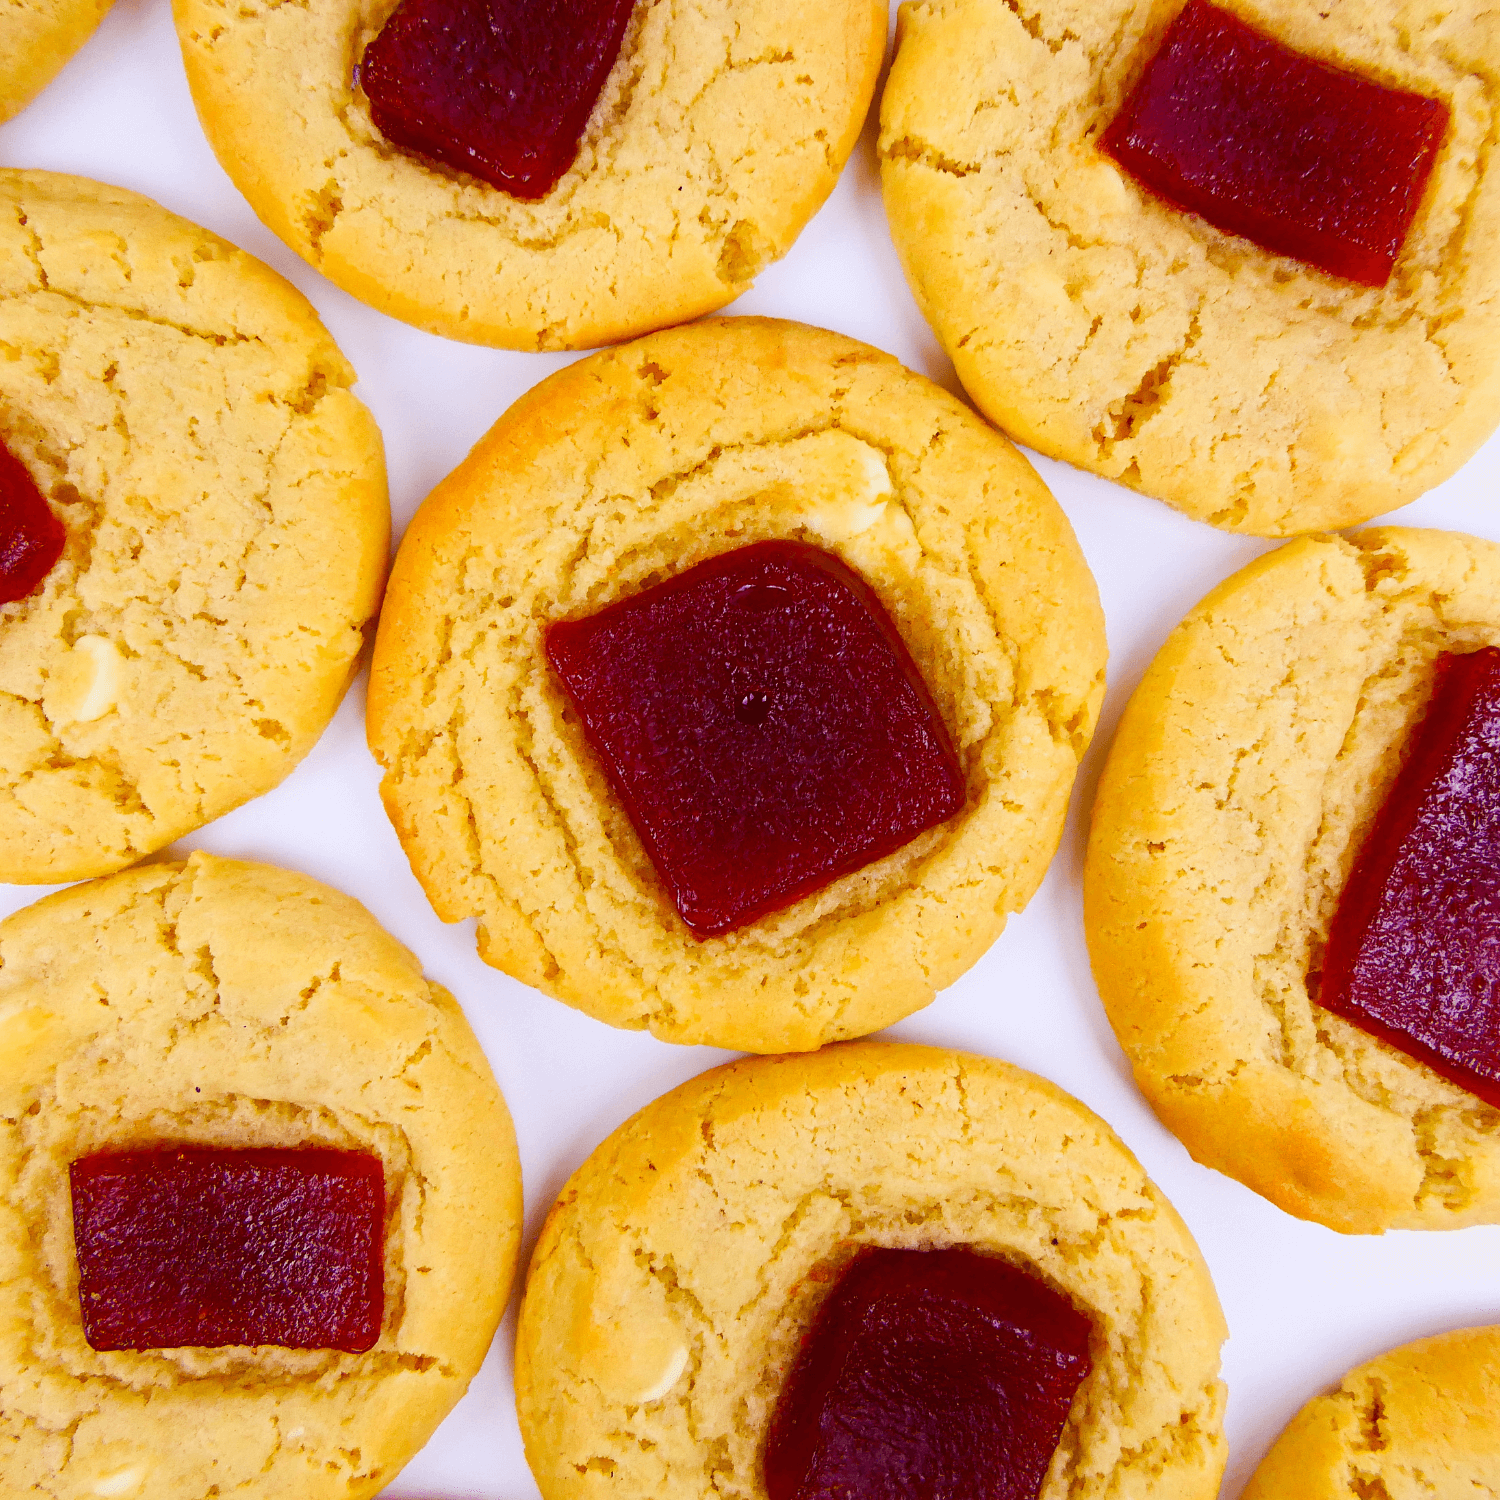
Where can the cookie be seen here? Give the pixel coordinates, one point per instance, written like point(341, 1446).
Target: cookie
point(36, 38)
point(1415, 1421)
point(1102, 326)
point(719, 131)
point(235, 1005)
point(186, 416)
point(634, 466)
point(1246, 773)
point(683, 1262)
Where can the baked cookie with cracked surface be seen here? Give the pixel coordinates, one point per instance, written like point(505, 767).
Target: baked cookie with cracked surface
point(627, 473)
point(238, 1007)
point(1415, 1421)
point(1104, 326)
point(183, 425)
point(684, 1262)
point(714, 136)
point(1247, 776)
point(36, 38)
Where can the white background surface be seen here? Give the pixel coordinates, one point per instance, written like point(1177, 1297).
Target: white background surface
point(1303, 1303)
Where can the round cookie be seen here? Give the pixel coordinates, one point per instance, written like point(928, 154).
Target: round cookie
point(1416, 1423)
point(36, 38)
point(189, 420)
point(639, 463)
point(235, 1005)
point(720, 130)
point(1244, 777)
point(1102, 326)
point(683, 1262)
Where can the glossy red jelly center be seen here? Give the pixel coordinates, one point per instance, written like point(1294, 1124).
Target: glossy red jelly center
point(764, 726)
point(31, 537)
point(196, 1246)
point(1302, 158)
point(928, 1375)
point(1413, 954)
point(499, 88)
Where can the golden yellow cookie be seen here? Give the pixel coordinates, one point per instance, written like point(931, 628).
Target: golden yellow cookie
point(721, 129)
point(1101, 326)
point(189, 419)
point(639, 463)
point(36, 38)
point(1421, 1422)
point(1244, 777)
point(235, 1005)
point(678, 1271)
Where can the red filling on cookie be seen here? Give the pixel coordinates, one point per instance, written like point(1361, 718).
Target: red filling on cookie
point(941, 1374)
point(198, 1246)
point(31, 537)
point(500, 88)
point(1413, 954)
point(764, 726)
point(1304, 159)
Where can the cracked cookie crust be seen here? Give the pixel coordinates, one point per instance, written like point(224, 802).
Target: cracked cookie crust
point(633, 466)
point(683, 1262)
point(236, 1005)
point(720, 130)
point(190, 422)
point(1104, 327)
point(36, 38)
point(1246, 773)
point(1418, 1421)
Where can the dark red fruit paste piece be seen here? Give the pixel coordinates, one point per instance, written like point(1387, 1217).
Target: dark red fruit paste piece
point(1304, 159)
point(499, 88)
point(763, 725)
point(928, 1375)
point(198, 1246)
point(1413, 954)
point(31, 537)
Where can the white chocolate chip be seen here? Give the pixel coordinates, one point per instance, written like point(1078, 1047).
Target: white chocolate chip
point(124, 1481)
point(1107, 188)
point(851, 515)
point(676, 1364)
point(104, 683)
point(86, 683)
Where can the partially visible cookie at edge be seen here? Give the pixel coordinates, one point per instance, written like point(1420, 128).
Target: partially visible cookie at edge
point(36, 38)
point(633, 466)
point(1246, 772)
point(1418, 1420)
point(187, 418)
point(684, 1260)
point(720, 130)
point(1105, 327)
point(231, 1005)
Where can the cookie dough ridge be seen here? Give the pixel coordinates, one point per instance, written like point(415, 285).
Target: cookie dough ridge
point(1106, 328)
point(705, 1226)
point(1247, 767)
point(686, 184)
point(234, 1004)
point(640, 462)
point(191, 422)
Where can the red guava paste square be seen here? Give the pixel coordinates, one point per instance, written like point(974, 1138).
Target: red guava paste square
point(1305, 159)
point(942, 1374)
point(31, 537)
point(502, 88)
point(763, 725)
point(1413, 954)
point(206, 1247)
